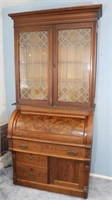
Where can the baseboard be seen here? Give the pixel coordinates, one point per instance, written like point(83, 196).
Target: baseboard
point(2, 124)
point(100, 176)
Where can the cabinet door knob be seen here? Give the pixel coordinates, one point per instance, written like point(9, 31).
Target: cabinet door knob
point(72, 153)
point(32, 174)
point(23, 146)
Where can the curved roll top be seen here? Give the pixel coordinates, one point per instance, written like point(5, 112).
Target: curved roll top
point(44, 127)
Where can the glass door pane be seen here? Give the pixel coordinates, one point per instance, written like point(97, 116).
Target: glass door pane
point(74, 65)
point(34, 65)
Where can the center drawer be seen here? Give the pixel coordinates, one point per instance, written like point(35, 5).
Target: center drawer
point(49, 149)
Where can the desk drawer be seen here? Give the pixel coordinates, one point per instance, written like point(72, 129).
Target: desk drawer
point(49, 149)
point(31, 173)
point(31, 159)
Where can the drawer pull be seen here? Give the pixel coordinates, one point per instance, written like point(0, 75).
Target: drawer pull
point(72, 153)
point(30, 158)
point(32, 174)
point(23, 146)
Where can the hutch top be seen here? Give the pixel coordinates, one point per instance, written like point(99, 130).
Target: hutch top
point(55, 56)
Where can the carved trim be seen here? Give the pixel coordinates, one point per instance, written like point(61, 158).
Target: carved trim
point(87, 154)
point(85, 192)
point(10, 144)
point(79, 13)
point(12, 122)
point(87, 167)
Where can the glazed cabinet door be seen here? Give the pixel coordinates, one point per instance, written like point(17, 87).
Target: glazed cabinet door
point(55, 65)
point(74, 64)
point(33, 65)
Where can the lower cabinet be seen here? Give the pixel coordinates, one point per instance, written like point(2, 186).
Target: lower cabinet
point(48, 172)
point(53, 154)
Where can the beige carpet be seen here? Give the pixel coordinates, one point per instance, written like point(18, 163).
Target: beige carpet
point(100, 189)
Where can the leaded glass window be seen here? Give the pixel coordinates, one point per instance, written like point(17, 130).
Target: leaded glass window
point(74, 65)
point(33, 65)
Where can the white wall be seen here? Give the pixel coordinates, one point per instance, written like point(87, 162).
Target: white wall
point(102, 130)
point(3, 109)
point(102, 139)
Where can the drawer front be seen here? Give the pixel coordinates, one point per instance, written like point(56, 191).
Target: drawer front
point(32, 159)
point(31, 173)
point(49, 149)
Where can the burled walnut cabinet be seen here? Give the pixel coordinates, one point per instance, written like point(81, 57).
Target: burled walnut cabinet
point(50, 132)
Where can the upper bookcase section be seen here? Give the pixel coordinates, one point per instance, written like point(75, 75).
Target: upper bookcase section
point(55, 56)
point(60, 15)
